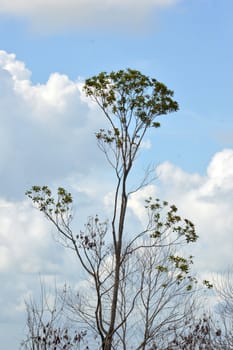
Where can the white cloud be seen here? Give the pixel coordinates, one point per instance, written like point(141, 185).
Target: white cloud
point(146, 144)
point(24, 240)
point(46, 137)
point(137, 202)
point(47, 130)
point(56, 15)
point(16, 68)
point(207, 200)
point(27, 249)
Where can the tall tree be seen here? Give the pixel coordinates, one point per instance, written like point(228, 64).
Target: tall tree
point(140, 281)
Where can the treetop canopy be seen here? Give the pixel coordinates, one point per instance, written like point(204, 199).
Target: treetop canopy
point(128, 93)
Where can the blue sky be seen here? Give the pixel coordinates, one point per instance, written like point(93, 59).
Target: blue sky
point(47, 126)
point(186, 45)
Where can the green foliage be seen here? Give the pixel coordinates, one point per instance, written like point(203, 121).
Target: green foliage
point(161, 268)
point(131, 101)
point(42, 197)
point(208, 284)
point(170, 228)
point(183, 227)
point(129, 91)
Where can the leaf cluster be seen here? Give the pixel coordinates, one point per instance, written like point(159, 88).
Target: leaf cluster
point(183, 227)
point(131, 91)
point(42, 197)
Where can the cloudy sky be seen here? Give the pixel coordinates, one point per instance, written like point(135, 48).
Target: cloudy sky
point(47, 126)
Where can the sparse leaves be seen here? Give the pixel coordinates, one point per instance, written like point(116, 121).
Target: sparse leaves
point(172, 221)
point(208, 284)
point(42, 197)
point(48, 329)
point(94, 235)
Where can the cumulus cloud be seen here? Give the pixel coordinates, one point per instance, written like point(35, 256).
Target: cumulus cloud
point(56, 15)
point(204, 199)
point(146, 144)
point(46, 137)
point(137, 202)
point(207, 200)
point(47, 130)
point(27, 251)
point(21, 228)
